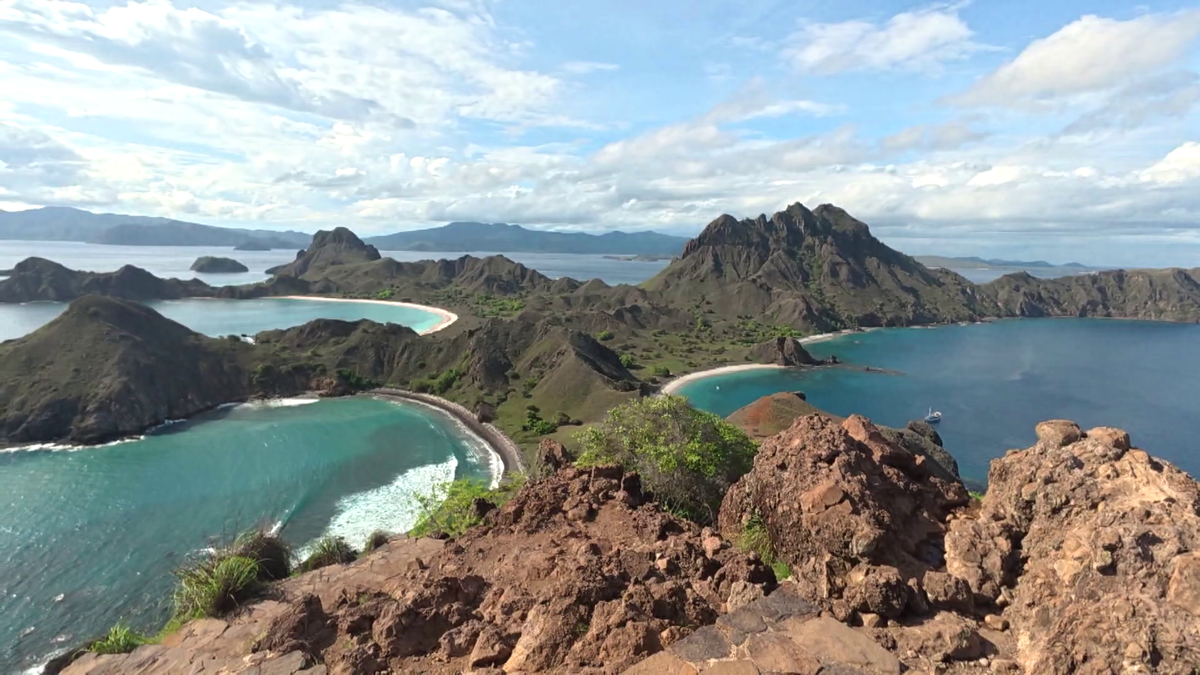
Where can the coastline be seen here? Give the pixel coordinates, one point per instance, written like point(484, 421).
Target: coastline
point(498, 443)
point(447, 316)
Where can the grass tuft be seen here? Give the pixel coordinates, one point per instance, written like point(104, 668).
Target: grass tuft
point(754, 538)
point(375, 540)
point(121, 639)
point(216, 585)
point(449, 509)
point(328, 551)
point(270, 551)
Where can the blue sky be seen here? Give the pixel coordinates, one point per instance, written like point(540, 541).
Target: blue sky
point(1062, 130)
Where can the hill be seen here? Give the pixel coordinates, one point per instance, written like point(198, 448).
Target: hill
point(36, 279)
point(502, 238)
point(815, 270)
point(68, 224)
point(107, 368)
point(1159, 295)
point(973, 262)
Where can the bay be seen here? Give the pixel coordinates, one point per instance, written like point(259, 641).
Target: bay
point(90, 537)
point(994, 382)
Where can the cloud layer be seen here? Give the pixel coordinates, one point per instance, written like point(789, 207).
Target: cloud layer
point(944, 134)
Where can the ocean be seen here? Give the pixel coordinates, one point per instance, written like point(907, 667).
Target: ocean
point(174, 261)
point(993, 382)
point(90, 536)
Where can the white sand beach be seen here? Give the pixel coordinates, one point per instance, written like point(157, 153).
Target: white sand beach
point(448, 317)
point(673, 385)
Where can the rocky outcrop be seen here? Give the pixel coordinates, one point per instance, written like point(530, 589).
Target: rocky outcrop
point(208, 264)
point(782, 351)
point(1158, 295)
point(107, 368)
point(35, 279)
point(575, 574)
point(773, 413)
point(1088, 549)
point(859, 520)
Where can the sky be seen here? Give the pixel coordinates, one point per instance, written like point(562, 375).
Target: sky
point(1062, 130)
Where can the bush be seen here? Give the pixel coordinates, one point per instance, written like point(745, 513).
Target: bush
point(628, 361)
point(661, 371)
point(215, 586)
point(121, 639)
point(328, 551)
point(604, 335)
point(449, 509)
point(755, 539)
point(687, 457)
point(385, 294)
point(375, 540)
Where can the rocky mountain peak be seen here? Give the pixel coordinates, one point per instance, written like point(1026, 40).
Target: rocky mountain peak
point(339, 246)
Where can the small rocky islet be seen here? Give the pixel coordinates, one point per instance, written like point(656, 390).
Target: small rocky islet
point(1081, 557)
point(216, 265)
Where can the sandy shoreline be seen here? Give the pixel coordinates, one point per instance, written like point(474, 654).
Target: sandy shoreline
point(498, 442)
point(673, 386)
point(448, 317)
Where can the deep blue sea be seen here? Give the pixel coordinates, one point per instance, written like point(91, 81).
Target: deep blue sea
point(993, 382)
point(89, 537)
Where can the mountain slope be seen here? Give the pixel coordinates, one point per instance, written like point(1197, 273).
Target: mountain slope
point(817, 269)
point(1160, 295)
point(68, 224)
point(502, 238)
point(107, 368)
point(36, 279)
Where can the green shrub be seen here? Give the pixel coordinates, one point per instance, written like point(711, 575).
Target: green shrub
point(535, 424)
point(448, 507)
point(215, 586)
point(977, 496)
point(661, 371)
point(628, 361)
point(755, 539)
point(375, 540)
point(328, 551)
point(385, 294)
point(121, 639)
point(687, 457)
point(604, 335)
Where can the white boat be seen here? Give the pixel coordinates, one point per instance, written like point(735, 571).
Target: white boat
point(933, 417)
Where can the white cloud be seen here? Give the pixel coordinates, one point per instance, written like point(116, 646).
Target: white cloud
point(918, 40)
point(945, 136)
point(587, 67)
point(1092, 54)
point(1180, 165)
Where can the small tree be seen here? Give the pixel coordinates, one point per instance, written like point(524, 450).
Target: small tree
point(687, 457)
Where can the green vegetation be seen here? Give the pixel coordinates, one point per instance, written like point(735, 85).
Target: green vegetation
point(375, 540)
point(354, 380)
point(661, 371)
point(385, 294)
point(755, 539)
point(439, 384)
point(483, 304)
point(629, 361)
point(216, 586)
point(751, 332)
point(328, 551)
point(604, 335)
point(535, 424)
point(121, 639)
point(977, 496)
point(688, 457)
point(449, 508)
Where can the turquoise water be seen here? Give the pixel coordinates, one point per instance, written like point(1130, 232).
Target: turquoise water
point(232, 317)
point(994, 382)
point(90, 537)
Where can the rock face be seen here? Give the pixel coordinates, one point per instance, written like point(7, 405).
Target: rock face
point(106, 368)
point(782, 351)
point(213, 265)
point(1160, 295)
point(1091, 549)
point(36, 279)
point(859, 520)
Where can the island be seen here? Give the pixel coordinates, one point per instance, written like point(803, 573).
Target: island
point(214, 265)
point(253, 245)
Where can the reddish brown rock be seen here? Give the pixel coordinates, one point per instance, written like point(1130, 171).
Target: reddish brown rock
point(858, 519)
point(1092, 550)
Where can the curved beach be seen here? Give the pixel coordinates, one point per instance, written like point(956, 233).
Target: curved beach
point(447, 317)
point(497, 441)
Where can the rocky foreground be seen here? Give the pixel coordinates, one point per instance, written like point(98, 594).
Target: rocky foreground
point(1084, 557)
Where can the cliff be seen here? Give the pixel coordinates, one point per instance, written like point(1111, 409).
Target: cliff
point(1159, 295)
point(107, 368)
point(36, 279)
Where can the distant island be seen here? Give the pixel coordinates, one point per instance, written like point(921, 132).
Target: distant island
point(504, 238)
point(213, 265)
point(974, 262)
point(639, 258)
